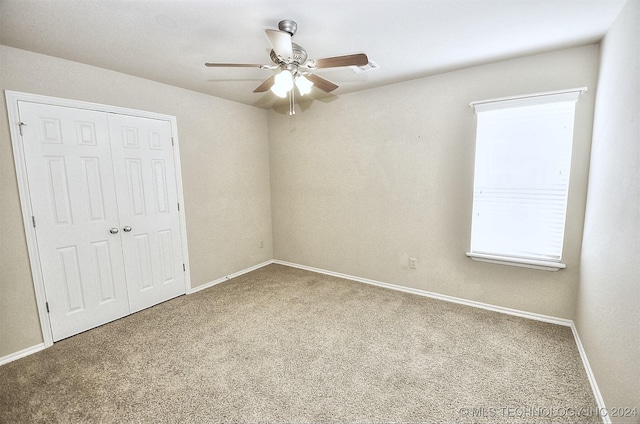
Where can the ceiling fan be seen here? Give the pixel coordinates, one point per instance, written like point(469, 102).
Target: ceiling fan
point(293, 66)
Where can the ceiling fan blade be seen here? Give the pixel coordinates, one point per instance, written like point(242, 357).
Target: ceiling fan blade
point(233, 65)
point(266, 85)
point(321, 83)
point(359, 59)
point(281, 43)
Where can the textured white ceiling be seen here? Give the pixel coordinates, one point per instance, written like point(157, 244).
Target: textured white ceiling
point(170, 40)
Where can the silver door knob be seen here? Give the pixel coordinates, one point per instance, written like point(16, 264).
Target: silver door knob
point(126, 229)
point(113, 230)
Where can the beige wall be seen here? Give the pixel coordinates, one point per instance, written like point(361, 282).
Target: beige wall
point(225, 168)
point(362, 183)
point(608, 305)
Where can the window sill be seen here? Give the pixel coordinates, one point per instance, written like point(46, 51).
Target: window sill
point(525, 263)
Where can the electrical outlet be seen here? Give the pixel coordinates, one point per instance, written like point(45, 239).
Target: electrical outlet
point(261, 244)
point(413, 262)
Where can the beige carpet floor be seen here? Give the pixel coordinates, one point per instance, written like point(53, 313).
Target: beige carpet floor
point(285, 345)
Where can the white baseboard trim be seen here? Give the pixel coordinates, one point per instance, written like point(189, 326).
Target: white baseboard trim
point(524, 314)
point(501, 309)
point(21, 353)
point(228, 277)
point(606, 419)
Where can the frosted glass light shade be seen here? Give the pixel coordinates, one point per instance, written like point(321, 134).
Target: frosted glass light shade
point(283, 84)
point(304, 85)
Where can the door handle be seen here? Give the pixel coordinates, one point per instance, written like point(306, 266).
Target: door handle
point(113, 230)
point(126, 229)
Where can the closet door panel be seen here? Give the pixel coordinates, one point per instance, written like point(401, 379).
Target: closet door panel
point(73, 200)
point(143, 161)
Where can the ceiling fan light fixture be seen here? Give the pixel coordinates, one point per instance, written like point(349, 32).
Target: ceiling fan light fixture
point(283, 83)
point(304, 85)
point(293, 67)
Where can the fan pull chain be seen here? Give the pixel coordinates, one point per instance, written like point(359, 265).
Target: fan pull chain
point(292, 110)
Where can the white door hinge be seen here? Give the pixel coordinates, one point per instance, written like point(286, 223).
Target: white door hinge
point(33, 221)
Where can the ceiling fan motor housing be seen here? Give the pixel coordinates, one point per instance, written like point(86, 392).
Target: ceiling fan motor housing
point(299, 55)
point(287, 25)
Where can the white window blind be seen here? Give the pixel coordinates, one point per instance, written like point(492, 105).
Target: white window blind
point(521, 183)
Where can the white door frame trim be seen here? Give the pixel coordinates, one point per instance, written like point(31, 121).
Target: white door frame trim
point(12, 99)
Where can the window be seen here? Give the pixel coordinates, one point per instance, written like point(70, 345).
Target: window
point(521, 182)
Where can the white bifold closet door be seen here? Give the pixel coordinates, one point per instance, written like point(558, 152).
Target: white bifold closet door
point(103, 193)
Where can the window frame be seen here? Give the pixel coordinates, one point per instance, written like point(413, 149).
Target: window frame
point(569, 95)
